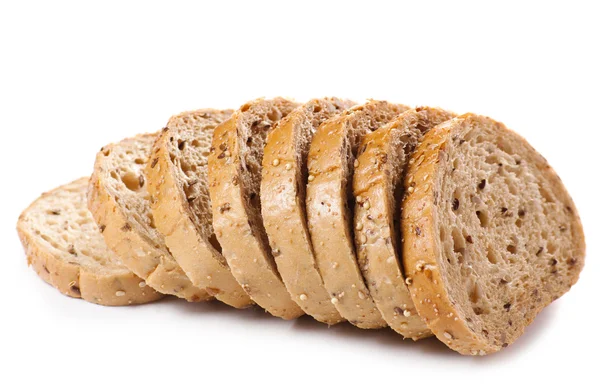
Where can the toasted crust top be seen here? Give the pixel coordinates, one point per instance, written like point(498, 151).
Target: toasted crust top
point(178, 186)
point(378, 178)
point(328, 203)
point(283, 192)
point(234, 184)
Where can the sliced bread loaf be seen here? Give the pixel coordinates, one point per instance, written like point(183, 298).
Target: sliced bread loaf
point(177, 181)
point(330, 205)
point(234, 174)
point(378, 179)
point(120, 204)
point(491, 236)
point(283, 193)
point(65, 248)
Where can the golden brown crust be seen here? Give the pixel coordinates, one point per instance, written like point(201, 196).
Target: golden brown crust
point(247, 253)
point(328, 214)
point(111, 286)
point(421, 248)
point(376, 180)
point(283, 207)
point(203, 264)
point(139, 254)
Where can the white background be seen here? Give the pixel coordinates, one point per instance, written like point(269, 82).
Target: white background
point(74, 77)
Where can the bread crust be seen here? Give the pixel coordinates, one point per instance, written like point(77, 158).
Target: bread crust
point(329, 217)
point(151, 262)
point(422, 247)
point(112, 285)
point(378, 178)
point(283, 208)
point(173, 215)
point(244, 246)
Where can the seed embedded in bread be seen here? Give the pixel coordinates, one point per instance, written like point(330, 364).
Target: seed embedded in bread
point(181, 206)
point(65, 248)
point(234, 173)
point(478, 274)
point(329, 207)
point(121, 205)
point(378, 178)
point(283, 194)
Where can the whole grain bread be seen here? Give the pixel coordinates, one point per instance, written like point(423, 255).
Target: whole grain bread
point(329, 204)
point(65, 248)
point(177, 181)
point(378, 179)
point(234, 173)
point(283, 193)
point(120, 203)
point(491, 236)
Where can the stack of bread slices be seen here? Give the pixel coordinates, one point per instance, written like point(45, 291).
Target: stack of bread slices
point(377, 214)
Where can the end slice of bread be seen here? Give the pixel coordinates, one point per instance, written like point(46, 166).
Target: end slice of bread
point(234, 173)
point(65, 248)
point(491, 235)
point(178, 185)
point(283, 193)
point(378, 178)
point(120, 204)
point(329, 204)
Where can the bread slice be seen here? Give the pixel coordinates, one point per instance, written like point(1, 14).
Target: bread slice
point(283, 192)
point(120, 204)
point(329, 206)
point(234, 174)
point(378, 178)
point(65, 248)
point(178, 186)
point(491, 235)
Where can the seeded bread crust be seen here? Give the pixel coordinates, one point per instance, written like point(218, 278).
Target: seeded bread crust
point(234, 173)
point(329, 206)
point(178, 184)
point(476, 293)
point(378, 178)
point(119, 201)
point(65, 248)
point(283, 192)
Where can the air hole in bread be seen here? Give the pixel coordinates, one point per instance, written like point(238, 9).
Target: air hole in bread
point(546, 194)
point(274, 115)
point(493, 160)
point(106, 152)
point(483, 217)
point(317, 108)
point(458, 241)
point(139, 161)
point(505, 146)
point(114, 175)
point(151, 220)
point(131, 181)
point(511, 248)
point(195, 143)
point(455, 164)
point(215, 243)
point(475, 292)
point(492, 256)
